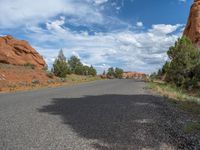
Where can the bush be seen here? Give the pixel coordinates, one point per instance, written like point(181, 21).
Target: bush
point(79, 70)
point(118, 73)
point(45, 67)
point(35, 81)
point(184, 66)
point(111, 72)
point(29, 65)
point(115, 73)
point(85, 70)
point(60, 68)
point(50, 74)
point(74, 62)
point(92, 71)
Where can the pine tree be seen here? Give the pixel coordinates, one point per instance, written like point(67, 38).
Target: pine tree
point(104, 72)
point(61, 56)
point(118, 73)
point(92, 71)
point(111, 72)
point(60, 66)
point(184, 66)
point(74, 62)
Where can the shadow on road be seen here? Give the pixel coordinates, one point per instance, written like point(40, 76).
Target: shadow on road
point(114, 121)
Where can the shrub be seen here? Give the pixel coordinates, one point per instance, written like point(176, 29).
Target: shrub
point(29, 65)
point(111, 72)
point(79, 70)
point(50, 74)
point(118, 73)
point(60, 68)
point(92, 71)
point(74, 62)
point(35, 81)
point(184, 66)
point(104, 73)
point(45, 67)
point(115, 73)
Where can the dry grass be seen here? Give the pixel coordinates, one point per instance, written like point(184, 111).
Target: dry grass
point(177, 96)
point(192, 127)
point(78, 79)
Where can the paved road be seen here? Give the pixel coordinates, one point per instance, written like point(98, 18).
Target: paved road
point(103, 115)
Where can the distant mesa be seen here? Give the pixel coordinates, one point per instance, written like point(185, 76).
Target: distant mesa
point(19, 52)
point(192, 30)
point(134, 75)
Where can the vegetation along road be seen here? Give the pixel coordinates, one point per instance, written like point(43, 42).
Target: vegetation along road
point(102, 115)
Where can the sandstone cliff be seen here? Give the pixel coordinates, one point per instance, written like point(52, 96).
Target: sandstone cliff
point(192, 30)
point(17, 52)
point(134, 75)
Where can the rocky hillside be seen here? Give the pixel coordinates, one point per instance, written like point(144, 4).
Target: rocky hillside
point(134, 75)
point(18, 52)
point(21, 66)
point(192, 30)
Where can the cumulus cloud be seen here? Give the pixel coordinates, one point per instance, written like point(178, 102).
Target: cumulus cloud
point(122, 45)
point(20, 12)
point(164, 29)
point(182, 1)
point(98, 2)
point(140, 51)
point(139, 24)
point(56, 25)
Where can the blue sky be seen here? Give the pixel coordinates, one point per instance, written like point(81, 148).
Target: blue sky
point(131, 34)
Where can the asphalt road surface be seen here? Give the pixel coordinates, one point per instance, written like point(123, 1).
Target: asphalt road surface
point(102, 115)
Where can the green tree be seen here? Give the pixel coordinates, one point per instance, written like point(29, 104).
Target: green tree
point(92, 71)
point(60, 66)
point(165, 68)
point(111, 72)
point(61, 56)
point(153, 75)
point(183, 69)
point(104, 72)
point(159, 73)
point(74, 62)
point(119, 73)
point(86, 70)
point(79, 70)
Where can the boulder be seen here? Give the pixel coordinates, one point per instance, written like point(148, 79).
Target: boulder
point(19, 52)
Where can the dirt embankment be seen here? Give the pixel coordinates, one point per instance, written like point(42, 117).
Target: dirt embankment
point(17, 78)
point(14, 78)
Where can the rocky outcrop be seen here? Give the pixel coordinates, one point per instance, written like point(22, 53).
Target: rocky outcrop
point(134, 75)
point(18, 52)
point(192, 30)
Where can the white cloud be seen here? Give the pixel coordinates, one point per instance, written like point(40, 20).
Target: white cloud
point(98, 2)
point(164, 29)
point(139, 24)
point(56, 25)
point(23, 12)
point(140, 51)
point(182, 1)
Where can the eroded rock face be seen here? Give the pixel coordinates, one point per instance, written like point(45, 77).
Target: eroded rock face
point(18, 52)
point(192, 30)
point(134, 75)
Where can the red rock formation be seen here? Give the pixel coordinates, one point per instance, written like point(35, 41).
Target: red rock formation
point(134, 75)
point(17, 52)
point(192, 30)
